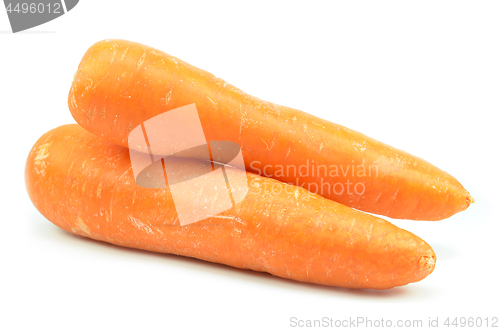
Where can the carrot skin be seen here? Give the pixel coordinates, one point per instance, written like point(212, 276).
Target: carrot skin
point(85, 185)
point(120, 84)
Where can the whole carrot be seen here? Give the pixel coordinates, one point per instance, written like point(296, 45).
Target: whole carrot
point(120, 84)
point(85, 185)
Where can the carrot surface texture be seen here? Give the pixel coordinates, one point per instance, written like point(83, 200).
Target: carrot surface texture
point(120, 84)
point(85, 185)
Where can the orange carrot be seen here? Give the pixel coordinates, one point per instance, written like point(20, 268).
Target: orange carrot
point(120, 84)
point(85, 185)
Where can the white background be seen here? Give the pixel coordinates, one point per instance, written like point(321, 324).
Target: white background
point(423, 76)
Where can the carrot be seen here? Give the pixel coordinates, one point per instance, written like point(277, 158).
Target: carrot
point(85, 185)
point(120, 84)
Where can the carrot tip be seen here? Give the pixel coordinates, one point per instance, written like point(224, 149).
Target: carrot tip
point(427, 263)
point(469, 200)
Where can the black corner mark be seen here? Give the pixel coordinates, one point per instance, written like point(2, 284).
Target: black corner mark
point(26, 14)
point(70, 4)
